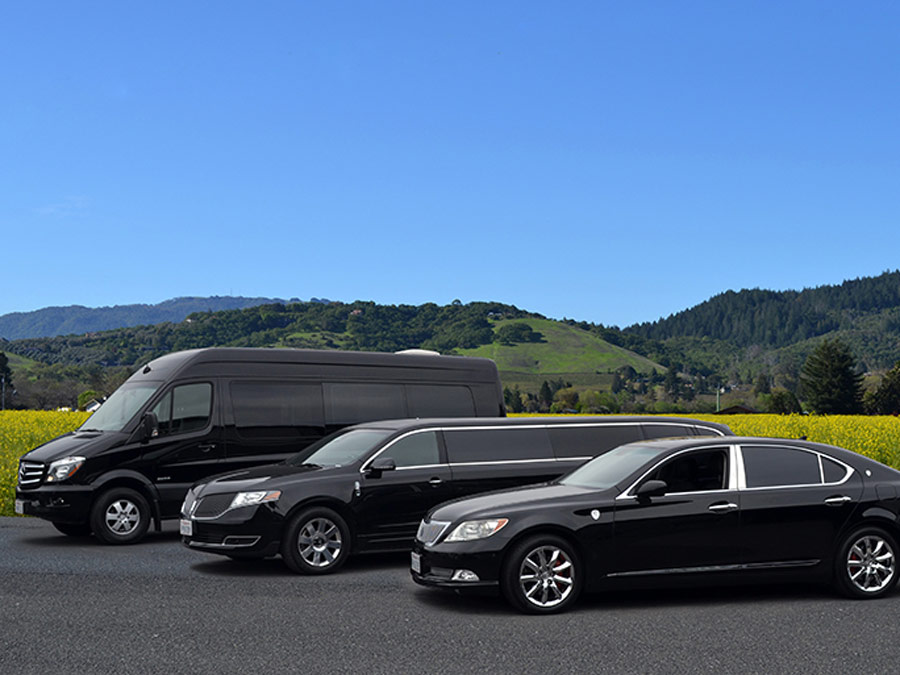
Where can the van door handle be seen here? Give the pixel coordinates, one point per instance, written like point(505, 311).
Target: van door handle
point(722, 507)
point(838, 501)
point(434, 482)
point(206, 447)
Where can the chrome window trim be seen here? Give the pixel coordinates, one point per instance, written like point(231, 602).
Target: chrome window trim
point(732, 475)
point(508, 461)
point(849, 470)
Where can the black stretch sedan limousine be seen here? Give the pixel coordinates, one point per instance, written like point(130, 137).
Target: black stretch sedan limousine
point(716, 509)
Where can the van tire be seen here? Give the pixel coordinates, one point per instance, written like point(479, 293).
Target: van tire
point(316, 541)
point(120, 516)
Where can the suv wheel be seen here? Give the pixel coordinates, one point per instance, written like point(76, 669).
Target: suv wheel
point(316, 541)
point(120, 516)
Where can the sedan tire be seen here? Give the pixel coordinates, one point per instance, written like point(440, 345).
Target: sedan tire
point(120, 516)
point(316, 541)
point(866, 564)
point(542, 575)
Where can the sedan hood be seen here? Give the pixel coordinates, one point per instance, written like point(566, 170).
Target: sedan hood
point(510, 501)
point(268, 477)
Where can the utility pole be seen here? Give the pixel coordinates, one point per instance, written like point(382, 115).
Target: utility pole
point(3, 388)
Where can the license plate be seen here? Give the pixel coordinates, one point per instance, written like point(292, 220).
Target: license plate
point(20, 507)
point(187, 528)
point(416, 563)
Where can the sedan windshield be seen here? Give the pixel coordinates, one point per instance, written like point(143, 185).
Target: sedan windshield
point(121, 406)
point(341, 449)
point(613, 467)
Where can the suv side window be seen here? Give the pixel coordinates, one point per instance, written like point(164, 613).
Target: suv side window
point(418, 449)
point(697, 471)
point(185, 408)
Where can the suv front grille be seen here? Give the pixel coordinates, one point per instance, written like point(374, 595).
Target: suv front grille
point(430, 532)
point(30, 474)
point(212, 506)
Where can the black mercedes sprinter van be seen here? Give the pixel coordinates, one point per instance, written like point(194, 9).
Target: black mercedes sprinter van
point(191, 414)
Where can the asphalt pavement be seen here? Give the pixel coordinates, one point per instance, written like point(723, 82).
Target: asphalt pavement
point(75, 606)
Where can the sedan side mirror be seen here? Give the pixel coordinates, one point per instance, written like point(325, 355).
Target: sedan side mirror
point(652, 488)
point(381, 464)
point(149, 427)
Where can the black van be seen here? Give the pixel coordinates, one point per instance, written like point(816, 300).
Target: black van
point(191, 414)
point(366, 488)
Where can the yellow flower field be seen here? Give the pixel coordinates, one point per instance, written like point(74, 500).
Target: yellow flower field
point(875, 437)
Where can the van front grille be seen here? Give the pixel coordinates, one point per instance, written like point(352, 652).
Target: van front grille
point(30, 474)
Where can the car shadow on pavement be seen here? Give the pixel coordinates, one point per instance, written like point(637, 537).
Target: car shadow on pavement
point(50, 538)
point(268, 567)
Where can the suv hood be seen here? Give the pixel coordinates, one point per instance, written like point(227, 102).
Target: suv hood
point(79, 443)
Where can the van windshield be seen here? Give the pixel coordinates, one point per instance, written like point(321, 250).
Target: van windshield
point(341, 449)
point(121, 406)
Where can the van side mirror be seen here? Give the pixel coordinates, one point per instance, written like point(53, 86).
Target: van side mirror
point(149, 427)
point(380, 465)
point(652, 488)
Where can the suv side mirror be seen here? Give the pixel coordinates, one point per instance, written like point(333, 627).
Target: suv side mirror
point(149, 427)
point(652, 488)
point(381, 464)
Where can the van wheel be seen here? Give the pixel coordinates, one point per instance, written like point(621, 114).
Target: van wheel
point(73, 529)
point(120, 516)
point(541, 575)
point(316, 541)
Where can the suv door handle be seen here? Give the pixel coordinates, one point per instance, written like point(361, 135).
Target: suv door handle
point(722, 507)
point(838, 501)
point(434, 482)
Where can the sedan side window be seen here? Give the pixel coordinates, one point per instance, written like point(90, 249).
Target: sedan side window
point(694, 472)
point(414, 450)
point(766, 466)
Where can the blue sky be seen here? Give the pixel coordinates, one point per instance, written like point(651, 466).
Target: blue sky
point(605, 161)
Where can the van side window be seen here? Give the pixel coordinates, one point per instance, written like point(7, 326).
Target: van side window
point(591, 441)
point(352, 403)
point(666, 430)
point(414, 450)
point(427, 400)
point(493, 445)
point(276, 409)
point(186, 408)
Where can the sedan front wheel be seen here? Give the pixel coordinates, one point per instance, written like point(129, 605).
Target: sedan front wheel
point(542, 575)
point(316, 541)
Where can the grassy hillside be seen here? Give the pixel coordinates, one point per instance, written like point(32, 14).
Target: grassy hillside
point(566, 352)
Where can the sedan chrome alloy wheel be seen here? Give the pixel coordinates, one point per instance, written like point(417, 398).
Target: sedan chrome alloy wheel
point(319, 542)
point(870, 563)
point(122, 516)
point(546, 576)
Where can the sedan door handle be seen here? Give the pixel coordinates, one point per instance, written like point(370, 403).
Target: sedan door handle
point(207, 447)
point(434, 482)
point(722, 507)
point(838, 501)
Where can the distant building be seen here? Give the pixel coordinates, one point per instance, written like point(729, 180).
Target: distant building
point(738, 410)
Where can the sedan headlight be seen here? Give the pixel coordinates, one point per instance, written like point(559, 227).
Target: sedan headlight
point(476, 529)
point(253, 498)
point(63, 468)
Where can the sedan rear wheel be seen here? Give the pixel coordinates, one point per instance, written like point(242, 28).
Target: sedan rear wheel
point(866, 564)
point(542, 575)
point(316, 541)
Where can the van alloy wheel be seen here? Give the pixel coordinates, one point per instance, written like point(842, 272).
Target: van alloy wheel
point(122, 516)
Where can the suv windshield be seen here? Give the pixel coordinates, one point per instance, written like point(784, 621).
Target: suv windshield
point(340, 450)
point(121, 406)
point(613, 467)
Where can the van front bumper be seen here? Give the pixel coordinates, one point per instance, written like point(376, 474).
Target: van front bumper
point(58, 503)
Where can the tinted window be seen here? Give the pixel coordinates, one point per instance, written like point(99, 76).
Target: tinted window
point(705, 431)
point(694, 471)
point(341, 449)
point(766, 466)
point(276, 409)
point(591, 441)
point(414, 450)
point(834, 472)
point(613, 467)
point(354, 403)
point(491, 445)
point(439, 401)
point(185, 408)
point(667, 430)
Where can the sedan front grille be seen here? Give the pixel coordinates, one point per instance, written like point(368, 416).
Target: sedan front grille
point(212, 506)
point(430, 532)
point(30, 474)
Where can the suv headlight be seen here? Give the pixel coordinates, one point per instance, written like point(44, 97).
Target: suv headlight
point(252, 498)
point(476, 529)
point(63, 468)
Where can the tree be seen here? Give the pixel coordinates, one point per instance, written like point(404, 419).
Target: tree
point(783, 402)
point(6, 375)
point(762, 385)
point(886, 399)
point(545, 395)
point(829, 380)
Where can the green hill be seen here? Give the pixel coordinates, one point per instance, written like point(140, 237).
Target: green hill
point(564, 352)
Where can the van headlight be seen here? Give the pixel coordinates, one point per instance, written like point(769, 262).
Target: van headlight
point(476, 529)
point(63, 468)
point(253, 498)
